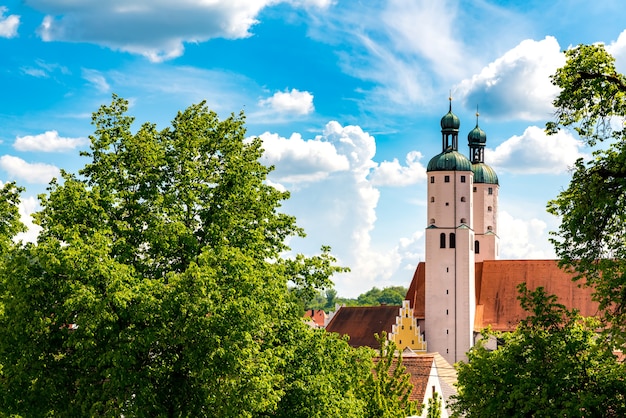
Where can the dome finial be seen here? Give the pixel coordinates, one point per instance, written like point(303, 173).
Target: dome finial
point(477, 115)
point(450, 99)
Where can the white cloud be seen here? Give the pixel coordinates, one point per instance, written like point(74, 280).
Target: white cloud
point(291, 102)
point(157, 29)
point(97, 79)
point(618, 50)
point(534, 152)
point(300, 161)
point(49, 141)
point(335, 202)
point(28, 206)
point(37, 173)
point(391, 173)
point(521, 238)
point(517, 85)
point(8, 24)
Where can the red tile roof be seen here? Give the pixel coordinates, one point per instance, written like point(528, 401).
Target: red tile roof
point(418, 368)
point(496, 290)
point(318, 316)
point(360, 323)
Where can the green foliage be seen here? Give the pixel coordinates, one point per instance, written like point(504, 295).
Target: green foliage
point(388, 389)
point(553, 364)
point(326, 300)
point(590, 239)
point(157, 286)
point(434, 406)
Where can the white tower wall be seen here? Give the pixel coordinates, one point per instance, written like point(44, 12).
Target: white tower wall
point(450, 289)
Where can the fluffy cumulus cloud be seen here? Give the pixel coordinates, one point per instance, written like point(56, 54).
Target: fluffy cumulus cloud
point(336, 202)
point(517, 85)
point(157, 29)
point(34, 173)
point(522, 238)
point(8, 24)
point(392, 173)
point(49, 141)
point(293, 102)
point(618, 50)
point(534, 152)
point(28, 206)
point(301, 161)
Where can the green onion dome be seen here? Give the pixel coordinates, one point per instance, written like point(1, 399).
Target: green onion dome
point(450, 121)
point(449, 160)
point(477, 136)
point(484, 174)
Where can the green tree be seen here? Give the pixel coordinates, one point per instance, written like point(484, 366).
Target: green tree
point(434, 406)
point(388, 389)
point(157, 286)
point(553, 364)
point(590, 239)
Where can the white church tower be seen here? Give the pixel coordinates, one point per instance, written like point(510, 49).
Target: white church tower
point(485, 193)
point(450, 302)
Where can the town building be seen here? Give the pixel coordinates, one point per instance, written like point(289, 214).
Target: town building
point(462, 286)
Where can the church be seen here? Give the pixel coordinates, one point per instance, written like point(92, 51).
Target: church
point(462, 286)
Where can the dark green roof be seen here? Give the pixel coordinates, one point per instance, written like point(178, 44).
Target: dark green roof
point(449, 161)
point(477, 136)
point(450, 121)
point(484, 174)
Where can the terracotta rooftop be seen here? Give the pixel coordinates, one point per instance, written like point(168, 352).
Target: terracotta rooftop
point(318, 316)
point(360, 323)
point(419, 368)
point(496, 290)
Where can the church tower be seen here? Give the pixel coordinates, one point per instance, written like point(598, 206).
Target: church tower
point(450, 303)
point(485, 191)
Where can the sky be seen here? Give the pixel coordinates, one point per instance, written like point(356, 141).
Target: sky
point(347, 97)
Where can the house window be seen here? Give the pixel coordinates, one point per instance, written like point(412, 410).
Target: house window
point(490, 190)
point(432, 179)
point(446, 179)
point(462, 179)
point(477, 247)
point(442, 240)
point(462, 198)
point(452, 240)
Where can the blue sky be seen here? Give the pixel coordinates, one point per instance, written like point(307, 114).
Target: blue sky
point(347, 96)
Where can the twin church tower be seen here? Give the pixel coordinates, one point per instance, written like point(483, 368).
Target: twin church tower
point(462, 230)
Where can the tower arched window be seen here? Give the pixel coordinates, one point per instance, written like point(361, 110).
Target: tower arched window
point(442, 240)
point(452, 240)
point(432, 199)
point(432, 221)
point(462, 198)
point(489, 228)
point(432, 179)
point(463, 220)
point(489, 209)
point(477, 247)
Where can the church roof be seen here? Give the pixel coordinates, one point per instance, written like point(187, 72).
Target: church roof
point(484, 174)
point(496, 291)
point(449, 160)
point(362, 322)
